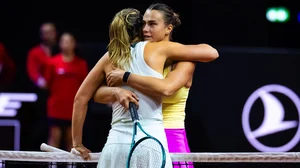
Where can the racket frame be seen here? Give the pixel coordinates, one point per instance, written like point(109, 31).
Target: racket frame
point(136, 124)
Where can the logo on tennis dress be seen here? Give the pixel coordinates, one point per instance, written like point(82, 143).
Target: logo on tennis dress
point(60, 71)
point(273, 119)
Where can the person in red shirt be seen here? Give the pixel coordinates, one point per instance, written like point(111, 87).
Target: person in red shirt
point(39, 55)
point(64, 76)
point(7, 68)
point(37, 60)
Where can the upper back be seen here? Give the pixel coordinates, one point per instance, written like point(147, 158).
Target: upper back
point(149, 107)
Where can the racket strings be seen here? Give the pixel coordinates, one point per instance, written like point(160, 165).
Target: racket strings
point(147, 154)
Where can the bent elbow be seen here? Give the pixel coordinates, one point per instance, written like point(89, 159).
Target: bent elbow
point(97, 98)
point(212, 55)
point(168, 91)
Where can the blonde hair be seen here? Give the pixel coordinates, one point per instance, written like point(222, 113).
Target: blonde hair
point(125, 28)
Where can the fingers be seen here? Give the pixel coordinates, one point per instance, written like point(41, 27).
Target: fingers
point(125, 104)
point(84, 152)
point(136, 103)
point(135, 96)
point(110, 81)
point(115, 77)
point(89, 151)
point(108, 77)
point(109, 73)
point(134, 99)
point(86, 156)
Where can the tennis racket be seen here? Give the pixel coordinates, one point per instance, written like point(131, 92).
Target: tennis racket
point(147, 151)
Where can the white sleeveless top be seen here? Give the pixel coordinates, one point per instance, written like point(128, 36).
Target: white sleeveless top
point(148, 108)
point(116, 149)
point(150, 111)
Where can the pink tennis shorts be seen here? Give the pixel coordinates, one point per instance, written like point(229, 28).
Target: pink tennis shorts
point(177, 143)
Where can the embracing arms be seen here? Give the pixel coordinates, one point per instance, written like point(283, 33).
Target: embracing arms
point(176, 51)
point(174, 80)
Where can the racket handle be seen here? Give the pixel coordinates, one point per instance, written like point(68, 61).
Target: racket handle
point(133, 111)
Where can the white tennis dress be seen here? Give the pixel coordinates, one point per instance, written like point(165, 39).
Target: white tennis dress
point(116, 149)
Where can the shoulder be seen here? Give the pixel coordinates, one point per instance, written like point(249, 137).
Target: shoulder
point(141, 43)
point(34, 49)
point(105, 58)
point(159, 48)
point(102, 64)
point(163, 44)
point(104, 61)
point(56, 58)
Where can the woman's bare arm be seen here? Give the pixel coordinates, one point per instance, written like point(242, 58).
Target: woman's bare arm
point(106, 95)
point(174, 80)
point(85, 92)
point(180, 52)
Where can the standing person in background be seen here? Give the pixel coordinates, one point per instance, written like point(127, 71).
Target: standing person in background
point(37, 60)
point(64, 76)
point(39, 55)
point(7, 69)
